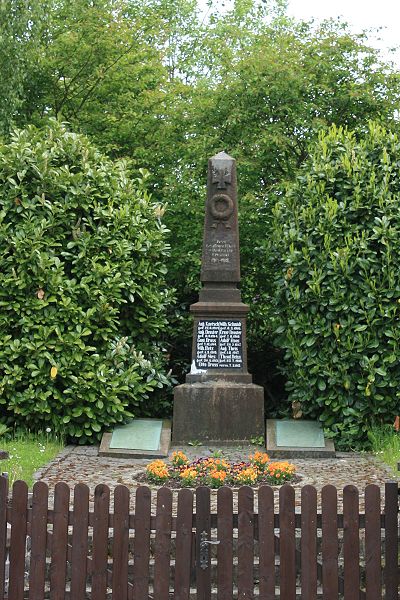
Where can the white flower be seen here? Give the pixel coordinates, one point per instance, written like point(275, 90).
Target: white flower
point(48, 430)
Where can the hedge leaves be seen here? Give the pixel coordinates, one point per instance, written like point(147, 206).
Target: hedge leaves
point(82, 290)
point(337, 232)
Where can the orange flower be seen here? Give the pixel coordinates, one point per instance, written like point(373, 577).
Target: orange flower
point(188, 473)
point(157, 471)
point(259, 459)
point(179, 459)
point(217, 464)
point(280, 471)
point(216, 478)
point(247, 476)
point(220, 475)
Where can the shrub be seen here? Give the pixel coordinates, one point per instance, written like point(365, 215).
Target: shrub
point(82, 292)
point(337, 236)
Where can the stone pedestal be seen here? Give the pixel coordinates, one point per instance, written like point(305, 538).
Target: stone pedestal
point(219, 402)
point(218, 412)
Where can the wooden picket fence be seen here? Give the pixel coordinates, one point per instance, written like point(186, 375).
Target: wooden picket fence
point(73, 548)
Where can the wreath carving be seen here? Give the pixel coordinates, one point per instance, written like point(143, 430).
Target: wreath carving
point(221, 207)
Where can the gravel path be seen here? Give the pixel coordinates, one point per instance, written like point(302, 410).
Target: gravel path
point(81, 464)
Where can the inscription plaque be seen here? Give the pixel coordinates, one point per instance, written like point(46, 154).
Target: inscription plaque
point(219, 344)
point(220, 253)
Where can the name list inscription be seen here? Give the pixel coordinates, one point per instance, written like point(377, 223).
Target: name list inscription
point(220, 253)
point(219, 345)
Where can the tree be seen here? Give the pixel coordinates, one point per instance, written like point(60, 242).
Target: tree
point(19, 21)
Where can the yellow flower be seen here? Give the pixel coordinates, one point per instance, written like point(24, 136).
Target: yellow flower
point(53, 372)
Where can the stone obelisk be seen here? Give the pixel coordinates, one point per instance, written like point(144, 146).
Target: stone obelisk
point(219, 402)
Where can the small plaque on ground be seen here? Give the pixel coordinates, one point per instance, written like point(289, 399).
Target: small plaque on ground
point(139, 434)
point(139, 438)
point(289, 438)
point(300, 434)
point(219, 344)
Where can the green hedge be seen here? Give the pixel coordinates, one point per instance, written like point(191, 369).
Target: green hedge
point(82, 290)
point(337, 239)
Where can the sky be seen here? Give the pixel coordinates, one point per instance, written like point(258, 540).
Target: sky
point(360, 14)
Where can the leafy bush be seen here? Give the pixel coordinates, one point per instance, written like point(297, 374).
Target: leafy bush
point(82, 291)
point(337, 235)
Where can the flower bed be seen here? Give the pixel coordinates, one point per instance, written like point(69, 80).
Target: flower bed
point(215, 472)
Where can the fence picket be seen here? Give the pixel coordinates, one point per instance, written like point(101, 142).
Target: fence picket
point(203, 526)
point(391, 571)
point(330, 544)
point(183, 550)
point(58, 567)
point(3, 532)
point(266, 539)
point(309, 542)
point(121, 543)
point(80, 542)
point(37, 571)
point(18, 540)
point(245, 543)
point(162, 545)
point(225, 546)
point(373, 575)
point(100, 541)
point(287, 543)
point(351, 543)
point(141, 547)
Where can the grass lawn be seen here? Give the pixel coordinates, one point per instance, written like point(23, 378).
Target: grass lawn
point(386, 444)
point(28, 452)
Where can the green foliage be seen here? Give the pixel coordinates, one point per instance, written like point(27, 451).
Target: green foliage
point(337, 234)
point(19, 22)
point(82, 290)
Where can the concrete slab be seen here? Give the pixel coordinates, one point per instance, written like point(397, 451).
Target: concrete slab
point(140, 438)
point(297, 439)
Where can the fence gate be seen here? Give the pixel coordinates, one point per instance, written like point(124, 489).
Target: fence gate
point(205, 545)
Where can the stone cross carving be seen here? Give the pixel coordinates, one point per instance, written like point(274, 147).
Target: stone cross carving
point(221, 177)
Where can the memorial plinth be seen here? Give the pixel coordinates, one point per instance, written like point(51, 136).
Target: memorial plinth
point(218, 402)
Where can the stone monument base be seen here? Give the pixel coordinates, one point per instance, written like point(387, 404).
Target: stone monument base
point(220, 412)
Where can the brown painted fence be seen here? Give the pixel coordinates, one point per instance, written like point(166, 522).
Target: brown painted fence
point(77, 550)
